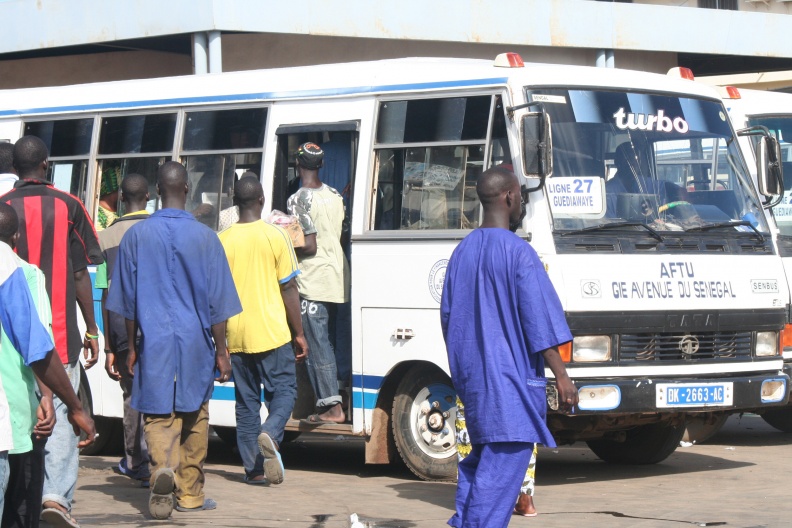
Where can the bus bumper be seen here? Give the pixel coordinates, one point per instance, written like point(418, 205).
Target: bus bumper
point(674, 395)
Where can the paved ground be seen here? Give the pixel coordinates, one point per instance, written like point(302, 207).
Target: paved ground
point(740, 478)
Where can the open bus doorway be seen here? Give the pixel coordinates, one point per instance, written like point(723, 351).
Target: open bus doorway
point(339, 142)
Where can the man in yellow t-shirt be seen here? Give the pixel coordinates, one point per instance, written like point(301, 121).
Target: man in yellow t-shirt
point(260, 339)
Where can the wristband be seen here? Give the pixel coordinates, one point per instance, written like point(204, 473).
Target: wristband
point(91, 336)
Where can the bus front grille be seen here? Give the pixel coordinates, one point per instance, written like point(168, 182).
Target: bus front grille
point(703, 346)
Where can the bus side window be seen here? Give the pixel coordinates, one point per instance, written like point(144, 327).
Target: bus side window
point(429, 154)
point(69, 145)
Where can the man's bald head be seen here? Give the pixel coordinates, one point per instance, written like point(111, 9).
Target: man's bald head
point(29, 154)
point(493, 183)
point(248, 190)
point(134, 187)
point(9, 223)
point(172, 182)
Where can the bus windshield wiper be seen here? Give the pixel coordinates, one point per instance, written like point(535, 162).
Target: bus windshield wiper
point(612, 225)
point(759, 236)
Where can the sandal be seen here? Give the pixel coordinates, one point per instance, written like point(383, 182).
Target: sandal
point(59, 518)
point(208, 504)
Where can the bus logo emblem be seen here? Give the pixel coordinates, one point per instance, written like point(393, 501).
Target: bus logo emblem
point(437, 278)
point(689, 345)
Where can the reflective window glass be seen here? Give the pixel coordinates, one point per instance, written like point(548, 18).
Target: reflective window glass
point(137, 134)
point(225, 129)
point(66, 137)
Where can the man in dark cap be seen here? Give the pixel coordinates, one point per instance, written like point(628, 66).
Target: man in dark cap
point(171, 280)
point(324, 281)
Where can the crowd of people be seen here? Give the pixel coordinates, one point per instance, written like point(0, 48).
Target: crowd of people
point(184, 307)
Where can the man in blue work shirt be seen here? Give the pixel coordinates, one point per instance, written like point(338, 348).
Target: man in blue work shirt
point(501, 321)
point(172, 281)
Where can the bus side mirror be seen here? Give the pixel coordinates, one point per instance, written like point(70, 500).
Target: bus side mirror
point(770, 177)
point(537, 146)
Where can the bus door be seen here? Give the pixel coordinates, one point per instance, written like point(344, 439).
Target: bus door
point(339, 141)
point(429, 151)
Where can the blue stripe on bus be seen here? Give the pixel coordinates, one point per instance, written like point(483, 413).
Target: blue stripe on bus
point(327, 92)
point(367, 382)
point(366, 400)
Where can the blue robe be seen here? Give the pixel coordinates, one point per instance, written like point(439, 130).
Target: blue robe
point(499, 311)
point(172, 276)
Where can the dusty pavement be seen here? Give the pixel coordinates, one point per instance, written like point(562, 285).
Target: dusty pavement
point(740, 478)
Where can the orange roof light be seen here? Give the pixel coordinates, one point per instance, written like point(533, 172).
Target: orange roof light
point(509, 60)
point(733, 93)
point(682, 73)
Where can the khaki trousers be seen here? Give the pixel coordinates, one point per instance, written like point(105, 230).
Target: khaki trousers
point(180, 441)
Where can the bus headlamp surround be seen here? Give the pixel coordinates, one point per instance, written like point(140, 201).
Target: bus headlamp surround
point(591, 349)
point(766, 344)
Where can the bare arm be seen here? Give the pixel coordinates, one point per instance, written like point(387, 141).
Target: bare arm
point(110, 367)
point(85, 301)
point(567, 393)
point(309, 249)
point(291, 301)
point(45, 413)
point(131, 330)
point(222, 360)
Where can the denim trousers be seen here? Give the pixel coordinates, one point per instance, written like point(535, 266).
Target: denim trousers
point(341, 330)
point(321, 361)
point(275, 371)
point(4, 471)
point(180, 441)
point(61, 456)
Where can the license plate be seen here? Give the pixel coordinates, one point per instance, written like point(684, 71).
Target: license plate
point(694, 394)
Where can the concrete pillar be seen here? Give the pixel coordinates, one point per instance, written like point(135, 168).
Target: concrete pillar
point(199, 53)
point(602, 58)
point(609, 61)
point(215, 52)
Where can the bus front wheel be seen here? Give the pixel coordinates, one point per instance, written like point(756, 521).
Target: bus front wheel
point(780, 418)
point(646, 444)
point(424, 411)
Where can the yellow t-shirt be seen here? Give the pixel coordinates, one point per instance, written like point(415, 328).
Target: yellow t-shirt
point(261, 258)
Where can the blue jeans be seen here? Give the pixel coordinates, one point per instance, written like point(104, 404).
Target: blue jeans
point(342, 343)
point(4, 472)
point(61, 456)
point(275, 370)
point(321, 361)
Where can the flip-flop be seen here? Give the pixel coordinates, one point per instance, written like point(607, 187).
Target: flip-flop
point(161, 497)
point(58, 518)
point(315, 420)
point(534, 514)
point(273, 463)
point(261, 482)
point(208, 504)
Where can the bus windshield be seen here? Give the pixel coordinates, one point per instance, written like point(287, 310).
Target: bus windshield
point(668, 162)
point(781, 127)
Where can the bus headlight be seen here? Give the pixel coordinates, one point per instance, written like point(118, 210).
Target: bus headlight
point(766, 344)
point(589, 349)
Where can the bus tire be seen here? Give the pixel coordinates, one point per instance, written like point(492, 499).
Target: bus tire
point(226, 434)
point(700, 430)
point(646, 444)
point(780, 418)
point(107, 428)
point(424, 411)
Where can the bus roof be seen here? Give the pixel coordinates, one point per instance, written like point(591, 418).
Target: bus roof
point(760, 102)
point(351, 79)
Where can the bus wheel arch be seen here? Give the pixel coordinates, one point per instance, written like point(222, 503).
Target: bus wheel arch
point(422, 422)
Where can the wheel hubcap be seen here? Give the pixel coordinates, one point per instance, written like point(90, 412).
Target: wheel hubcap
point(432, 419)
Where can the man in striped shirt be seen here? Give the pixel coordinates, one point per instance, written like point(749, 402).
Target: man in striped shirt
point(57, 235)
